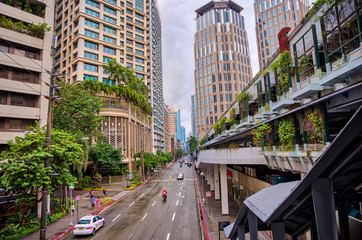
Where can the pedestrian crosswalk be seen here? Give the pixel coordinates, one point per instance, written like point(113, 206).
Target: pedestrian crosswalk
point(167, 180)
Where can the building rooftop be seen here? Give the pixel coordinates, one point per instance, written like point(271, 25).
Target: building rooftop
point(218, 5)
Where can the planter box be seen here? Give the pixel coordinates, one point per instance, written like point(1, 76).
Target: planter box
point(355, 54)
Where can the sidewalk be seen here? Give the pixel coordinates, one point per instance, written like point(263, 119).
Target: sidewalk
point(114, 190)
point(215, 216)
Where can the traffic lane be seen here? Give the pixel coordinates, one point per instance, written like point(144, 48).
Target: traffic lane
point(129, 209)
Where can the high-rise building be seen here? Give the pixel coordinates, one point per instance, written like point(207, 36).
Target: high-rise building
point(25, 59)
point(271, 16)
point(222, 61)
point(155, 83)
point(167, 137)
point(193, 117)
point(91, 32)
point(174, 126)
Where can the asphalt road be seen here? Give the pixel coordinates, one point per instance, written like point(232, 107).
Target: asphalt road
point(142, 214)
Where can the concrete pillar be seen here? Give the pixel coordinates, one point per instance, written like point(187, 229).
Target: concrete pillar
point(253, 225)
point(324, 209)
point(217, 181)
point(212, 180)
point(278, 230)
point(241, 232)
point(224, 190)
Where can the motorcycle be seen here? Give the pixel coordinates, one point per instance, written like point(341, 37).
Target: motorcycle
point(164, 198)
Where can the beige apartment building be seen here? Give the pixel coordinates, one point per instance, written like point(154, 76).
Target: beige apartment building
point(25, 59)
point(222, 61)
point(91, 32)
point(271, 16)
point(173, 115)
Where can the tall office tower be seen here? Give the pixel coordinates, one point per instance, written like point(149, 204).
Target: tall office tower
point(25, 58)
point(167, 137)
point(91, 32)
point(155, 81)
point(271, 16)
point(222, 61)
point(174, 126)
point(193, 116)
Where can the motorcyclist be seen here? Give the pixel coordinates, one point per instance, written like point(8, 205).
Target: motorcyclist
point(164, 194)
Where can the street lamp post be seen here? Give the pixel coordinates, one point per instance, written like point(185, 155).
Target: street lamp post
point(70, 193)
point(202, 182)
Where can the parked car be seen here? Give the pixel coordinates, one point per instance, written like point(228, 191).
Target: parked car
point(88, 225)
point(180, 176)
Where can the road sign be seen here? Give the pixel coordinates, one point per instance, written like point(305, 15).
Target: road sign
point(208, 194)
point(77, 197)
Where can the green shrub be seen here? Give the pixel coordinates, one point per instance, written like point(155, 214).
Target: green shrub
point(106, 200)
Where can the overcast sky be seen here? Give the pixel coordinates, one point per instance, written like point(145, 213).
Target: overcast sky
point(178, 29)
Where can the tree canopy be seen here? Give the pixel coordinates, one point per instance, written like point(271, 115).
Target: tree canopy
point(193, 144)
point(78, 112)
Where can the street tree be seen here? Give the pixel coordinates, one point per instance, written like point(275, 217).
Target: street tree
point(193, 144)
point(22, 169)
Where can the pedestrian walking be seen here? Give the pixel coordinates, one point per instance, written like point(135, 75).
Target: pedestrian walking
point(104, 193)
point(73, 209)
point(93, 201)
point(98, 203)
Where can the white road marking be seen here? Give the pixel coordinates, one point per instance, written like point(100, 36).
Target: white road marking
point(179, 193)
point(153, 203)
point(168, 236)
point(130, 236)
point(131, 204)
point(148, 189)
point(181, 188)
point(144, 217)
point(142, 194)
point(177, 203)
point(116, 217)
point(173, 217)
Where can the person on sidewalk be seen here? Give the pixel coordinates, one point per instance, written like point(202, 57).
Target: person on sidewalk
point(72, 209)
point(98, 203)
point(93, 201)
point(104, 193)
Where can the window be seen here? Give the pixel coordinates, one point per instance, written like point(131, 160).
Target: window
point(139, 45)
point(90, 77)
point(109, 39)
point(138, 16)
point(109, 10)
point(91, 56)
point(139, 37)
point(92, 13)
point(139, 22)
point(140, 60)
point(139, 52)
point(91, 24)
point(109, 50)
point(90, 34)
point(106, 59)
point(91, 45)
point(139, 76)
point(111, 1)
point(109, 30)
point(129, 65)
point(92, 3)
point(139, 5)
point(90, 67)
point(109, 19)
point(139, 30)
point(140, 68)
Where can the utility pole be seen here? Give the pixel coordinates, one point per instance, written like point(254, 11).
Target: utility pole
point(44, 202)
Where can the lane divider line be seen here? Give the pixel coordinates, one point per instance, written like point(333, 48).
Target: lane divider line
point(154, 204)
point(144, 217)
point(116, 217)
point(131, 204)
point(177, 203)
point(173, 217)
point(168, 236)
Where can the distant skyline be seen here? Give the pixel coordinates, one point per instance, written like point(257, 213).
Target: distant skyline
point(178, 29)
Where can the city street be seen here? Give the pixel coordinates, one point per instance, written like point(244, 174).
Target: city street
point(142, 214)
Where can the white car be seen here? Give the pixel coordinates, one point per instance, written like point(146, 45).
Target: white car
point(180, 176)
point(88, 225)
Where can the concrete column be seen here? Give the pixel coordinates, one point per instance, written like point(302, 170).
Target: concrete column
point(278, 230)
point(224, 190)
point(217, 182)
point(253, 225)
point(241, 232)
point(212, 180)
point(324, 209)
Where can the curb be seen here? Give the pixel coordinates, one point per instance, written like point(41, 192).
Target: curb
point(202, 208)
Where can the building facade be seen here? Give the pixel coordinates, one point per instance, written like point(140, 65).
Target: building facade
point(91, 32)
point(167, 132)
point(25, 60)
point(174, 127)
point(193, 117)
point(155, 83)
point(222, 60)
point(271, 16)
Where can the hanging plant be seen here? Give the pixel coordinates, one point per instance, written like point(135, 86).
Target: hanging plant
point(286, 134)
point(262, 135)
point(316, 132)
point(280, 69)
point(216, 129)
